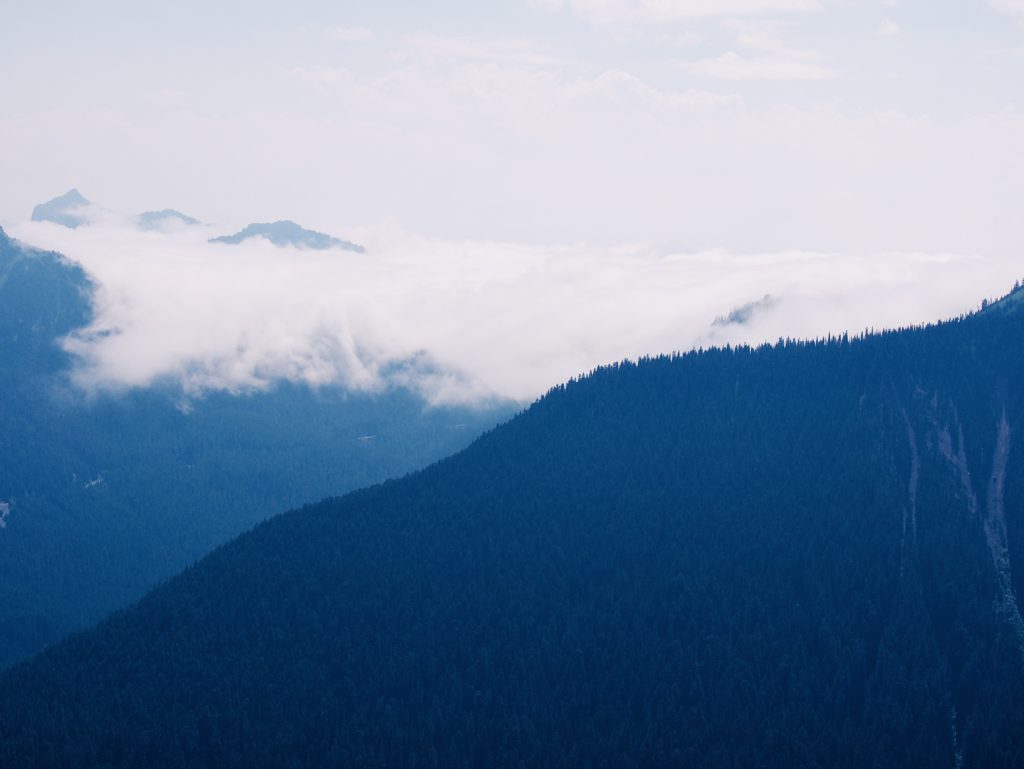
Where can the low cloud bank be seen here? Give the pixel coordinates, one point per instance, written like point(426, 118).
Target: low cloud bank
point(464, 321)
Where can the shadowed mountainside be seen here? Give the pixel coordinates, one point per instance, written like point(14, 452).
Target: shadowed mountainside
point(104, 496)
point(801, 555)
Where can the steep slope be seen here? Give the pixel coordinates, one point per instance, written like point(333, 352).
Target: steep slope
point(804, 555)
point(105, 496)
point(42, 297)
point(288, 233)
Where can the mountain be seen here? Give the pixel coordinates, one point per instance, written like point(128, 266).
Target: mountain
point(105, 496)
point(287, 233)
point(67, 209)
point(800, 555)
point(166, 219)
point(42, 297)
point(745, 313)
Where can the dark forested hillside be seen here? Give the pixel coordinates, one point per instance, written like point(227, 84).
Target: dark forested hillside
point(804, 555)
point(102, 497)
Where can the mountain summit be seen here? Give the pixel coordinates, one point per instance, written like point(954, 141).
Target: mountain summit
point(66, 209)
point(288, 233)
point(167, 219)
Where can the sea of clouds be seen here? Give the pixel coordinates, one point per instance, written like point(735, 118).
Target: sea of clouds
point(464, 321)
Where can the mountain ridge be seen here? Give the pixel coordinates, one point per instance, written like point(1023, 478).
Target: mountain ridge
point(774, 556)
point(108, 494)
point(167, 217)
point(287, 233)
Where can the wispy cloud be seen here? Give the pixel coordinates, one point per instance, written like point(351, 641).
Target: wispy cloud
point(351, 34)
point(1011, 7)
point(622, 88)
point(734, 66)
point(890, 28)
point(497, 49)
point(672, 11)
point(770, 57)
point(323, 75)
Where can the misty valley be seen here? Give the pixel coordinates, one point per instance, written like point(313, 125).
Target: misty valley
point(797, 554)
point(104, 496)
point(529, 384)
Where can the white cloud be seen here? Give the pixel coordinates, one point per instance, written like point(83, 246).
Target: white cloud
point(321, 75)
point(683, 39)
point(775, 59)
point(889, 28)
point(734, 66)
point(351, 34)
point(624, 89)
point(672, 11)
point(1012, 7)
point(500, 49)
point(461, 320)
point(766, 36)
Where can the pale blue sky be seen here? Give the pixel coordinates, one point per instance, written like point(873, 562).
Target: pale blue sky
point(747, 124)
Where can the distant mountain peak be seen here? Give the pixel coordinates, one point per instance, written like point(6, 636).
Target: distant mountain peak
point(165, 219)
point(742, 315)
point(64, 209)
point(287, 233)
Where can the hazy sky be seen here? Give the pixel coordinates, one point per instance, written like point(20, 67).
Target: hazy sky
point(543, 185)
point(744, 124)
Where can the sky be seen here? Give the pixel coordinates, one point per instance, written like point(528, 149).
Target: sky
point(870, 149)
point(744, 124)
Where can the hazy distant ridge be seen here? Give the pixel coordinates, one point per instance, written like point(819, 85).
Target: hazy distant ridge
point(288, 233)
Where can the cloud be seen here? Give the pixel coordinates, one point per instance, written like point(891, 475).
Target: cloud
point(351, 34)
point(622, 88)
point(734, 66)
point(500, 49)
point(483, 149)
point(684, 39)
point(462, 320)
point(322, 75)
point(672, 11)
point(890, 28)
point(1011, 7)
point(773, 58)
point(766, 36)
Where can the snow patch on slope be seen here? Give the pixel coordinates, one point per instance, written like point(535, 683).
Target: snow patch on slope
point(994, 522)
point(995, 529)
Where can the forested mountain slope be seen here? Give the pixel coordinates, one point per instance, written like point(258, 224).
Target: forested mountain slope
point(103, 497)
point(804, 555)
